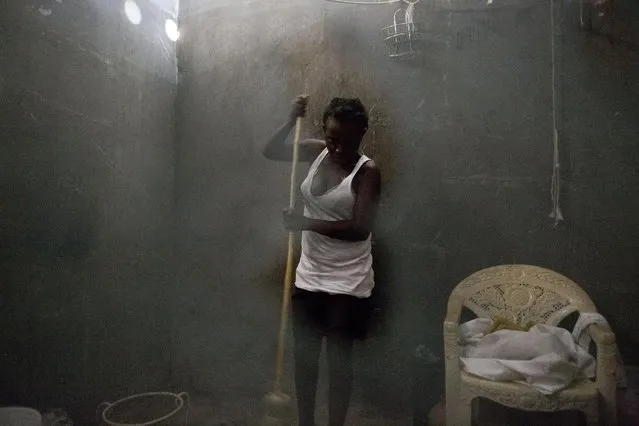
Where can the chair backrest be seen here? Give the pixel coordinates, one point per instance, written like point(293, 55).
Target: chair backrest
point(522, 294)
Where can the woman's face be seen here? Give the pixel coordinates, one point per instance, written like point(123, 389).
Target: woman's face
point(343, 141)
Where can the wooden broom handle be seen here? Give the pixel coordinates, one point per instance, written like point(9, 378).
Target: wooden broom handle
point(288, 277)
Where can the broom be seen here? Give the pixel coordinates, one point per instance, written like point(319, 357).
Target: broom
point(277, 403)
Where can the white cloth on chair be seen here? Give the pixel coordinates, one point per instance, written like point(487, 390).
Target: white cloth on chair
point(581, 335)
point(545, 358)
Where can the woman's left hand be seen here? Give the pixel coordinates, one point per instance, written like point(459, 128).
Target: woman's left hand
point(293, 221)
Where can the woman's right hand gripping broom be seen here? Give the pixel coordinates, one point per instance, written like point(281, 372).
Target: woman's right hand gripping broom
point(277, 149)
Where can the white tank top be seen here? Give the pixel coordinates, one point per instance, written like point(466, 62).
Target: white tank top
point(328, 264)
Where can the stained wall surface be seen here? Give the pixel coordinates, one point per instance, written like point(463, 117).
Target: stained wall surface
point(86, 183)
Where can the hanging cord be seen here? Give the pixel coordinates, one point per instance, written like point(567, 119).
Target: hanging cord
point(410, 11)
point(555, 185)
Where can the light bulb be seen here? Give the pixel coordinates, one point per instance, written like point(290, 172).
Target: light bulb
point(172, 30)
point(132, 12)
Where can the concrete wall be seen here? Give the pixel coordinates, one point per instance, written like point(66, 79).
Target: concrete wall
point(86, 183)
point(93, 134)
point(464, 139)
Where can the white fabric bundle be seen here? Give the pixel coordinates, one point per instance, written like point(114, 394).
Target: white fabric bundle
point(545, 357)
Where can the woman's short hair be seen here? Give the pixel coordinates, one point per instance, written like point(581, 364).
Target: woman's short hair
point(346, 110)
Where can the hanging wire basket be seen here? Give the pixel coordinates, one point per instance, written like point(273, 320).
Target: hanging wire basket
point(403, 39)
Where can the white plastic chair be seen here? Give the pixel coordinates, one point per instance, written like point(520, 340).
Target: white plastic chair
point(526, 294)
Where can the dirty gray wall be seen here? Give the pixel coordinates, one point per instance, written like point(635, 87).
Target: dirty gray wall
point(86, 183)
point(464, 140)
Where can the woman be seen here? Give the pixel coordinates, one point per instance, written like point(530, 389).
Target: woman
point(334, 277)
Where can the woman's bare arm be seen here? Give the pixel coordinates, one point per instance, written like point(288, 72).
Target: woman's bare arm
point(277, 148)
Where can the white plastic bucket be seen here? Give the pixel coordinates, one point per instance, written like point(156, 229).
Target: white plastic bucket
point(19, 416)
point(146, 409)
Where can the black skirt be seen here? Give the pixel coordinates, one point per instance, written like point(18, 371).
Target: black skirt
point(324, 313)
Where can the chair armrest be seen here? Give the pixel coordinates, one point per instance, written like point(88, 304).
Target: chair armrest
point(605, 342)
point(451, 326)
point(454, 309)
point(451, 341)
point(452, 317)
point(607, 366)
point(451, 361)
point(602, 335)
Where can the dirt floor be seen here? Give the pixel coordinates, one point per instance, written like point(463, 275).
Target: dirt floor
point(247, 411)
